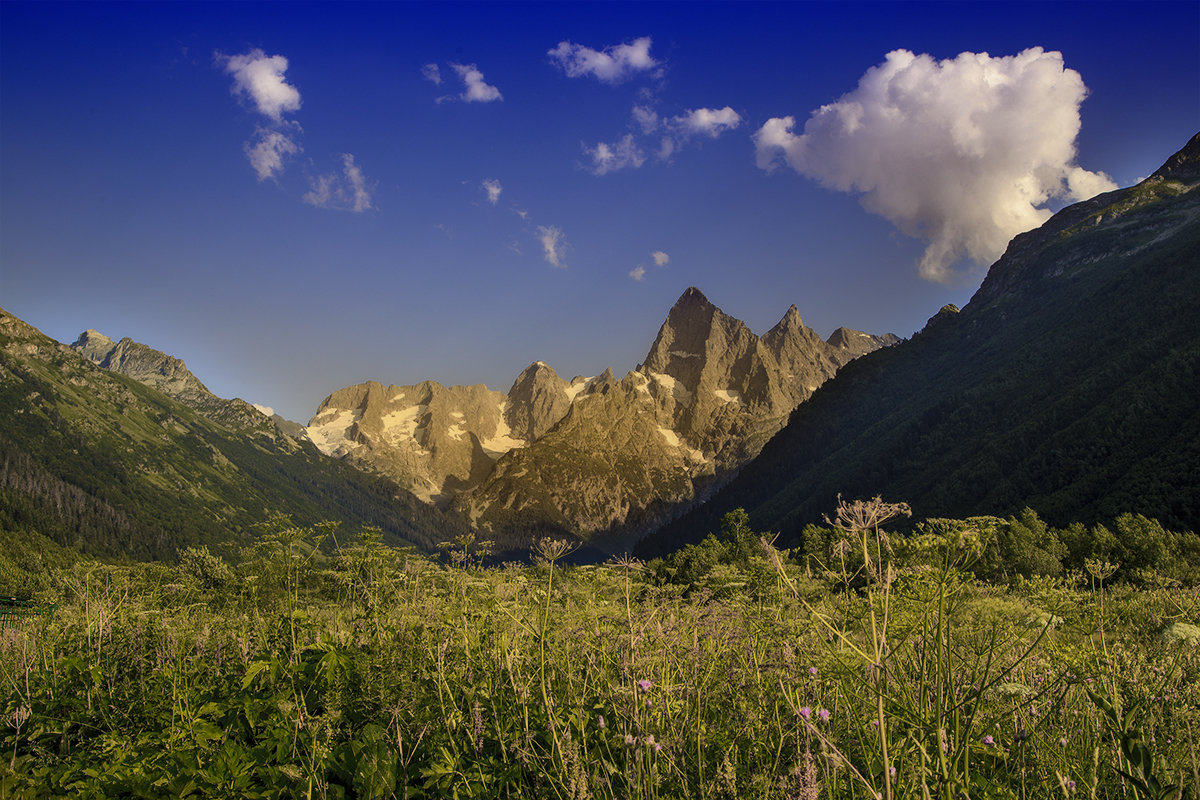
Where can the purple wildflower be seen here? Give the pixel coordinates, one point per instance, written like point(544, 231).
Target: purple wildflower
point(644, 685)
point(989, 740)
point(823, 715)
point(806, 712)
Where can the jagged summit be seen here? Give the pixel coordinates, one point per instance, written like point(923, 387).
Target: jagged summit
point(536, 401)
point(597, 454)
point(692, 297)
point(93, 345)
point(169, 375)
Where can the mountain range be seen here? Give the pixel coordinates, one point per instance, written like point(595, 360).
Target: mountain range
point(140, 467)
point(1067, 384)
point(1070, 383)
point(596, 458)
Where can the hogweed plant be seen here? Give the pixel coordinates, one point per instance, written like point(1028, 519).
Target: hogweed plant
point(928, 691)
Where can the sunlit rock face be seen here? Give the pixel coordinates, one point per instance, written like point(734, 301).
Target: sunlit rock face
point(597, 458)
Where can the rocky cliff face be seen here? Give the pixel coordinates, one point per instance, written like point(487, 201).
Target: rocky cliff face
point(431, 439)
point(598, 458)
point(170, 375)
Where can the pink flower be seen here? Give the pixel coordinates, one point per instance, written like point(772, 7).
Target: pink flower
point(806, 712)
point(600, 722)
point(812, 671)
point(823, 715)
point(644, 685)
point(988, 739)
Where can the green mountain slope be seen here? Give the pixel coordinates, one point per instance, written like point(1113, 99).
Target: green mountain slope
point(95, 460)
point(1070, 383)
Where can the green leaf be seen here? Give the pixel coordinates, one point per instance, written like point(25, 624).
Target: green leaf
point(253, 671)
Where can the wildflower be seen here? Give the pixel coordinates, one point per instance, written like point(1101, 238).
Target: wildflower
point(806, 712)
point(892, 771)
point(1062, 742)
point(649, 741)
point(644, 685)
point(600, 722)
point(823, 715)
point(1071, 785)
point(629, 740)
point(988, 740)
point(658, 748)
point(812, 671)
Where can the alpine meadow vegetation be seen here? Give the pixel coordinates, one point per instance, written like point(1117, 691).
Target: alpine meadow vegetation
point(881, 659)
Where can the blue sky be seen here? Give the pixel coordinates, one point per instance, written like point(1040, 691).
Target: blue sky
point(283, 196)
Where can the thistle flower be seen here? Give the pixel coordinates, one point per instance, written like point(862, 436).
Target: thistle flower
point(823, 715)
point(988, 740)
point(812, 671)
point(806, 712)
point(644, 685)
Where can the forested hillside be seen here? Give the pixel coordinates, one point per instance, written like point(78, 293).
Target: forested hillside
point(96, 461)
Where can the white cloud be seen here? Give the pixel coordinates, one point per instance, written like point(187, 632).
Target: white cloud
point(347, 191)
point(477, 90)
point(627, 152)
point(260, 77)
point(638, 273)
point(610, 65)
point(266, 155)
point(963, 152)
point(711, 122)
point(618, 155)
point(646, 118)
point(553, 244)
point(493, 189)
point(661, 259)
point(522, 213)
point(431, 73)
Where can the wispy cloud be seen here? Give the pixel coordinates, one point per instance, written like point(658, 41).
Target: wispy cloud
point(477, 91)
point(962, 153)
point(614, 64)
point(638, 273)
point(347, 191)
point(661, 259)
point(672, 133)
point(710, 122)
point(618, 155)
point(431, 73)
point(266, 154)
point(493, 189)
point(553, 244)
point(259, 77)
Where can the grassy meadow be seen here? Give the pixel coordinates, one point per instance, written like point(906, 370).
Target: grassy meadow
point(320, 663)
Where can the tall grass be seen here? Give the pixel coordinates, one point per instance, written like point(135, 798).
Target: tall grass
point(375, 673)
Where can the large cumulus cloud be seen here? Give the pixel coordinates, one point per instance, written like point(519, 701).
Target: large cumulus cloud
point(963, 152)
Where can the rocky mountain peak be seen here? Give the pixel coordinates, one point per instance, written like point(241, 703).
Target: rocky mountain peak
point(1184, 166)
point(93, 345)
point(692, 298)
point(537, 400)
point(169, 375)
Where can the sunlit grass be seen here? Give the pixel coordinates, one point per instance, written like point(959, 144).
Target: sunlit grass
point(371, 672)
